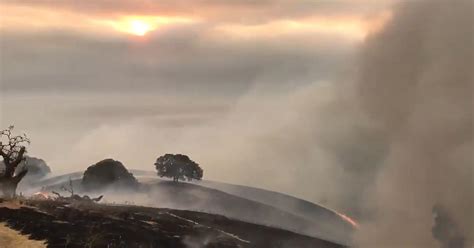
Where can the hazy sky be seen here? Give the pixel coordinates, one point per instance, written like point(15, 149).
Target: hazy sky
point(69, 67)
point(217, 80)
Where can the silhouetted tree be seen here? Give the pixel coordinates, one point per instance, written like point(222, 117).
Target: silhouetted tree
point(108, 172)
point(37, 168)
point(12, 150)
point(178, 167)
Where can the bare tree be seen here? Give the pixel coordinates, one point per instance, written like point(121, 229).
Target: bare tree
point(12, 150)
point(69, 189)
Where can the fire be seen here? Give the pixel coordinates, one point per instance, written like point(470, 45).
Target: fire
point(348, 219)
point(41, 195)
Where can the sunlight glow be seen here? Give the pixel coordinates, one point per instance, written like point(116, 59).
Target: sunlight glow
point(354, 28)
point(141, 25)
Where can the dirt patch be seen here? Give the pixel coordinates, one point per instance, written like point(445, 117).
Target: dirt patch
point(13, 204)
point(10, 238)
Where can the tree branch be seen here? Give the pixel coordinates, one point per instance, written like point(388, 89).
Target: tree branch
point(17, 178)
point(19, 157)
point(56, 193)
point(2, 153)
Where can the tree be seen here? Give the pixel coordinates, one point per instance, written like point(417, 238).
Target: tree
point(106, 173)
point(12, 150)
point(37, 168)
point(178, 167)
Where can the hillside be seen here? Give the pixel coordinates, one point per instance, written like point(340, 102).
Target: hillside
point(95, 225)
point(238, 202)
point(331, 221)
point(195, 197)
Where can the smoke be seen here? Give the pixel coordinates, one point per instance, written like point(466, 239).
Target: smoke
point(309, 143)
point(445, 230)
point(386, 148)
point(416, 83)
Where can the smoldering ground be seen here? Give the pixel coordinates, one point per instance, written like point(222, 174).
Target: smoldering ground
point(152, 192)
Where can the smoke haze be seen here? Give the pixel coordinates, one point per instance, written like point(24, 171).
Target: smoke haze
point(379, 128)
point(416, 82)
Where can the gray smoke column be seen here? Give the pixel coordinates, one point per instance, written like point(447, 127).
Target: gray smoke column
point(445, 230)
point(416, 83)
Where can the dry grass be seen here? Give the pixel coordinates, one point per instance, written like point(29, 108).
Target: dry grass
point(12, 239)
point(11, 203)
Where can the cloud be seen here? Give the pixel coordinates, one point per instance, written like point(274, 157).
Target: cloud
point(241, 11)
point(184, 58)
point(349, 19)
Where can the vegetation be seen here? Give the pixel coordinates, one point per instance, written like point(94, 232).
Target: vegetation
point(178, 167)
point(107, 172)
point(74, 197)
point(12, 150)
point(37, 168)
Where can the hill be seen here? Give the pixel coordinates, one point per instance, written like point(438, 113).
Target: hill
point(331, 221)
point(239, 202)
point(205, 199)
point(96, 225)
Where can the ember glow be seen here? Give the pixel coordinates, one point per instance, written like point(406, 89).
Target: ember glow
point(349, 219)
point(41, 195)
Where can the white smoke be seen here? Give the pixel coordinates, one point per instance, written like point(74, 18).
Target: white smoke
point(416, 82)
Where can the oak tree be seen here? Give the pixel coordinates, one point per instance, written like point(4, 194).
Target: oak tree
point(12, 150)
point(178, 167)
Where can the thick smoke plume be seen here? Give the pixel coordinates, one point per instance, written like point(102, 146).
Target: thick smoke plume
point(416, 83)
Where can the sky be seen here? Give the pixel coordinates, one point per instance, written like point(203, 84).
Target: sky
point(362, 106)
point(216, 80)
point(72, 69)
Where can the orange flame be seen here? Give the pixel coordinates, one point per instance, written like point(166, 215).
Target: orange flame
point(41, 195)
point(348, 219)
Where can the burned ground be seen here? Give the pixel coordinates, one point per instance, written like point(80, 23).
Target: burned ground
point(262, 207)
point(94, 225)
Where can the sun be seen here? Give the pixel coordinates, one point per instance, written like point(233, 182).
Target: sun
point(142, 25)
point(139, 27)
point(134, 26)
